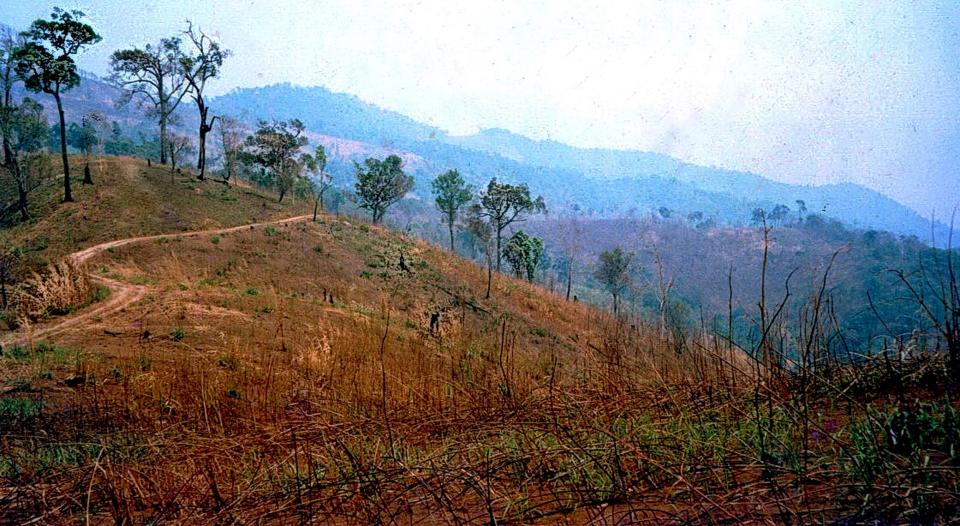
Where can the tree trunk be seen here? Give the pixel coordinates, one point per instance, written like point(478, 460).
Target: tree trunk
point(22, 200)
point(569, 278)
point(13, 165)
point(67, 193)
point(87, 178)
point(489, 275)
point(202, 147)
point(453, 250)
point(163, 137)
point(161, 96)
point(316, 204)
point(499, 230)
point(3, 292)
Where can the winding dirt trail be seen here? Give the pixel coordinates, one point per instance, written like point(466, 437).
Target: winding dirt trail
point(121, 294)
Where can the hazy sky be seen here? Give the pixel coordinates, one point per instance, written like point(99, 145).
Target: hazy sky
point(802, 92)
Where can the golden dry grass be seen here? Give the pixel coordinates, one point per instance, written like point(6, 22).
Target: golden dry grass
point(297, 374)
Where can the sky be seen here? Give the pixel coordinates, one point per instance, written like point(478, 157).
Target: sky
point(801, 92)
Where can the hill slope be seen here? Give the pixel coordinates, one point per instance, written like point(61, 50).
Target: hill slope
point(129, 199)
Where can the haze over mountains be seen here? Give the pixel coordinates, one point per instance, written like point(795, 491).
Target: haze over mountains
point(600, 182)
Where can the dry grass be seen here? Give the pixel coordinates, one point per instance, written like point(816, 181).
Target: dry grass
point(297, 375)
point(60, 288)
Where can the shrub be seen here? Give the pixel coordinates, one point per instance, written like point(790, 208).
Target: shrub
point(62, 287)
point(178, 334)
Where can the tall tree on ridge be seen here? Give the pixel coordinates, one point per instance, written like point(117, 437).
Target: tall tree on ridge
point(154, 73)
point(200, 65)
point(451, 194)
point(45, 63)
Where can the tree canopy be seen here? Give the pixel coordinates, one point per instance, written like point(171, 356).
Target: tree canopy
point(504, 204)
point(380, 184)
point(524, 252)
point(275, 146)
point(45, 62)
point(613, 273)
point(451, 193)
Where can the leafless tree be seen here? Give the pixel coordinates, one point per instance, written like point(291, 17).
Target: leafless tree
point(232, 134)
point(201, 64)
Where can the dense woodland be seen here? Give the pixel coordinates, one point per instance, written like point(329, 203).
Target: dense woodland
point(772, 302)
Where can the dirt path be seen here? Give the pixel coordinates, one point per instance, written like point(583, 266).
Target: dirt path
point(121, 294)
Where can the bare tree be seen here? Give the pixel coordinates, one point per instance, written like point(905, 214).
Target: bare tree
point(483, 238)
point(179, 146)
point(939, 299)
point(198, 66)
point(571, 234)
point(664, 286)
point(232, 134)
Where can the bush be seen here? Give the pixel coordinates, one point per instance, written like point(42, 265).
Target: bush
point(61, 288)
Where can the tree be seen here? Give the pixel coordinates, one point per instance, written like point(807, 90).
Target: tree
point(380, 184)
point(8, 77)
point(571, 233)
point(45, 63)
point(481, 232)
point(231, 142)
point(154, 73)
point(758, 217)
point(275, 146)
point(321, 181)
point(179, 146)
point(197, 67)
point(24, 129)
point(84, 137)
point(504, 204)
point(452, 193)
point(614, 273)
point(523, 252)
point(801, 208)
point(779, 213)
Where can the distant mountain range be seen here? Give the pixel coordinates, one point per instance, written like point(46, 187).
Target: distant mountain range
point(601, 182)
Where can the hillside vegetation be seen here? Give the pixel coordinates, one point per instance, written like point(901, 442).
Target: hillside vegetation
point(131, 199)
point(226, 346)
point(339, 371)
